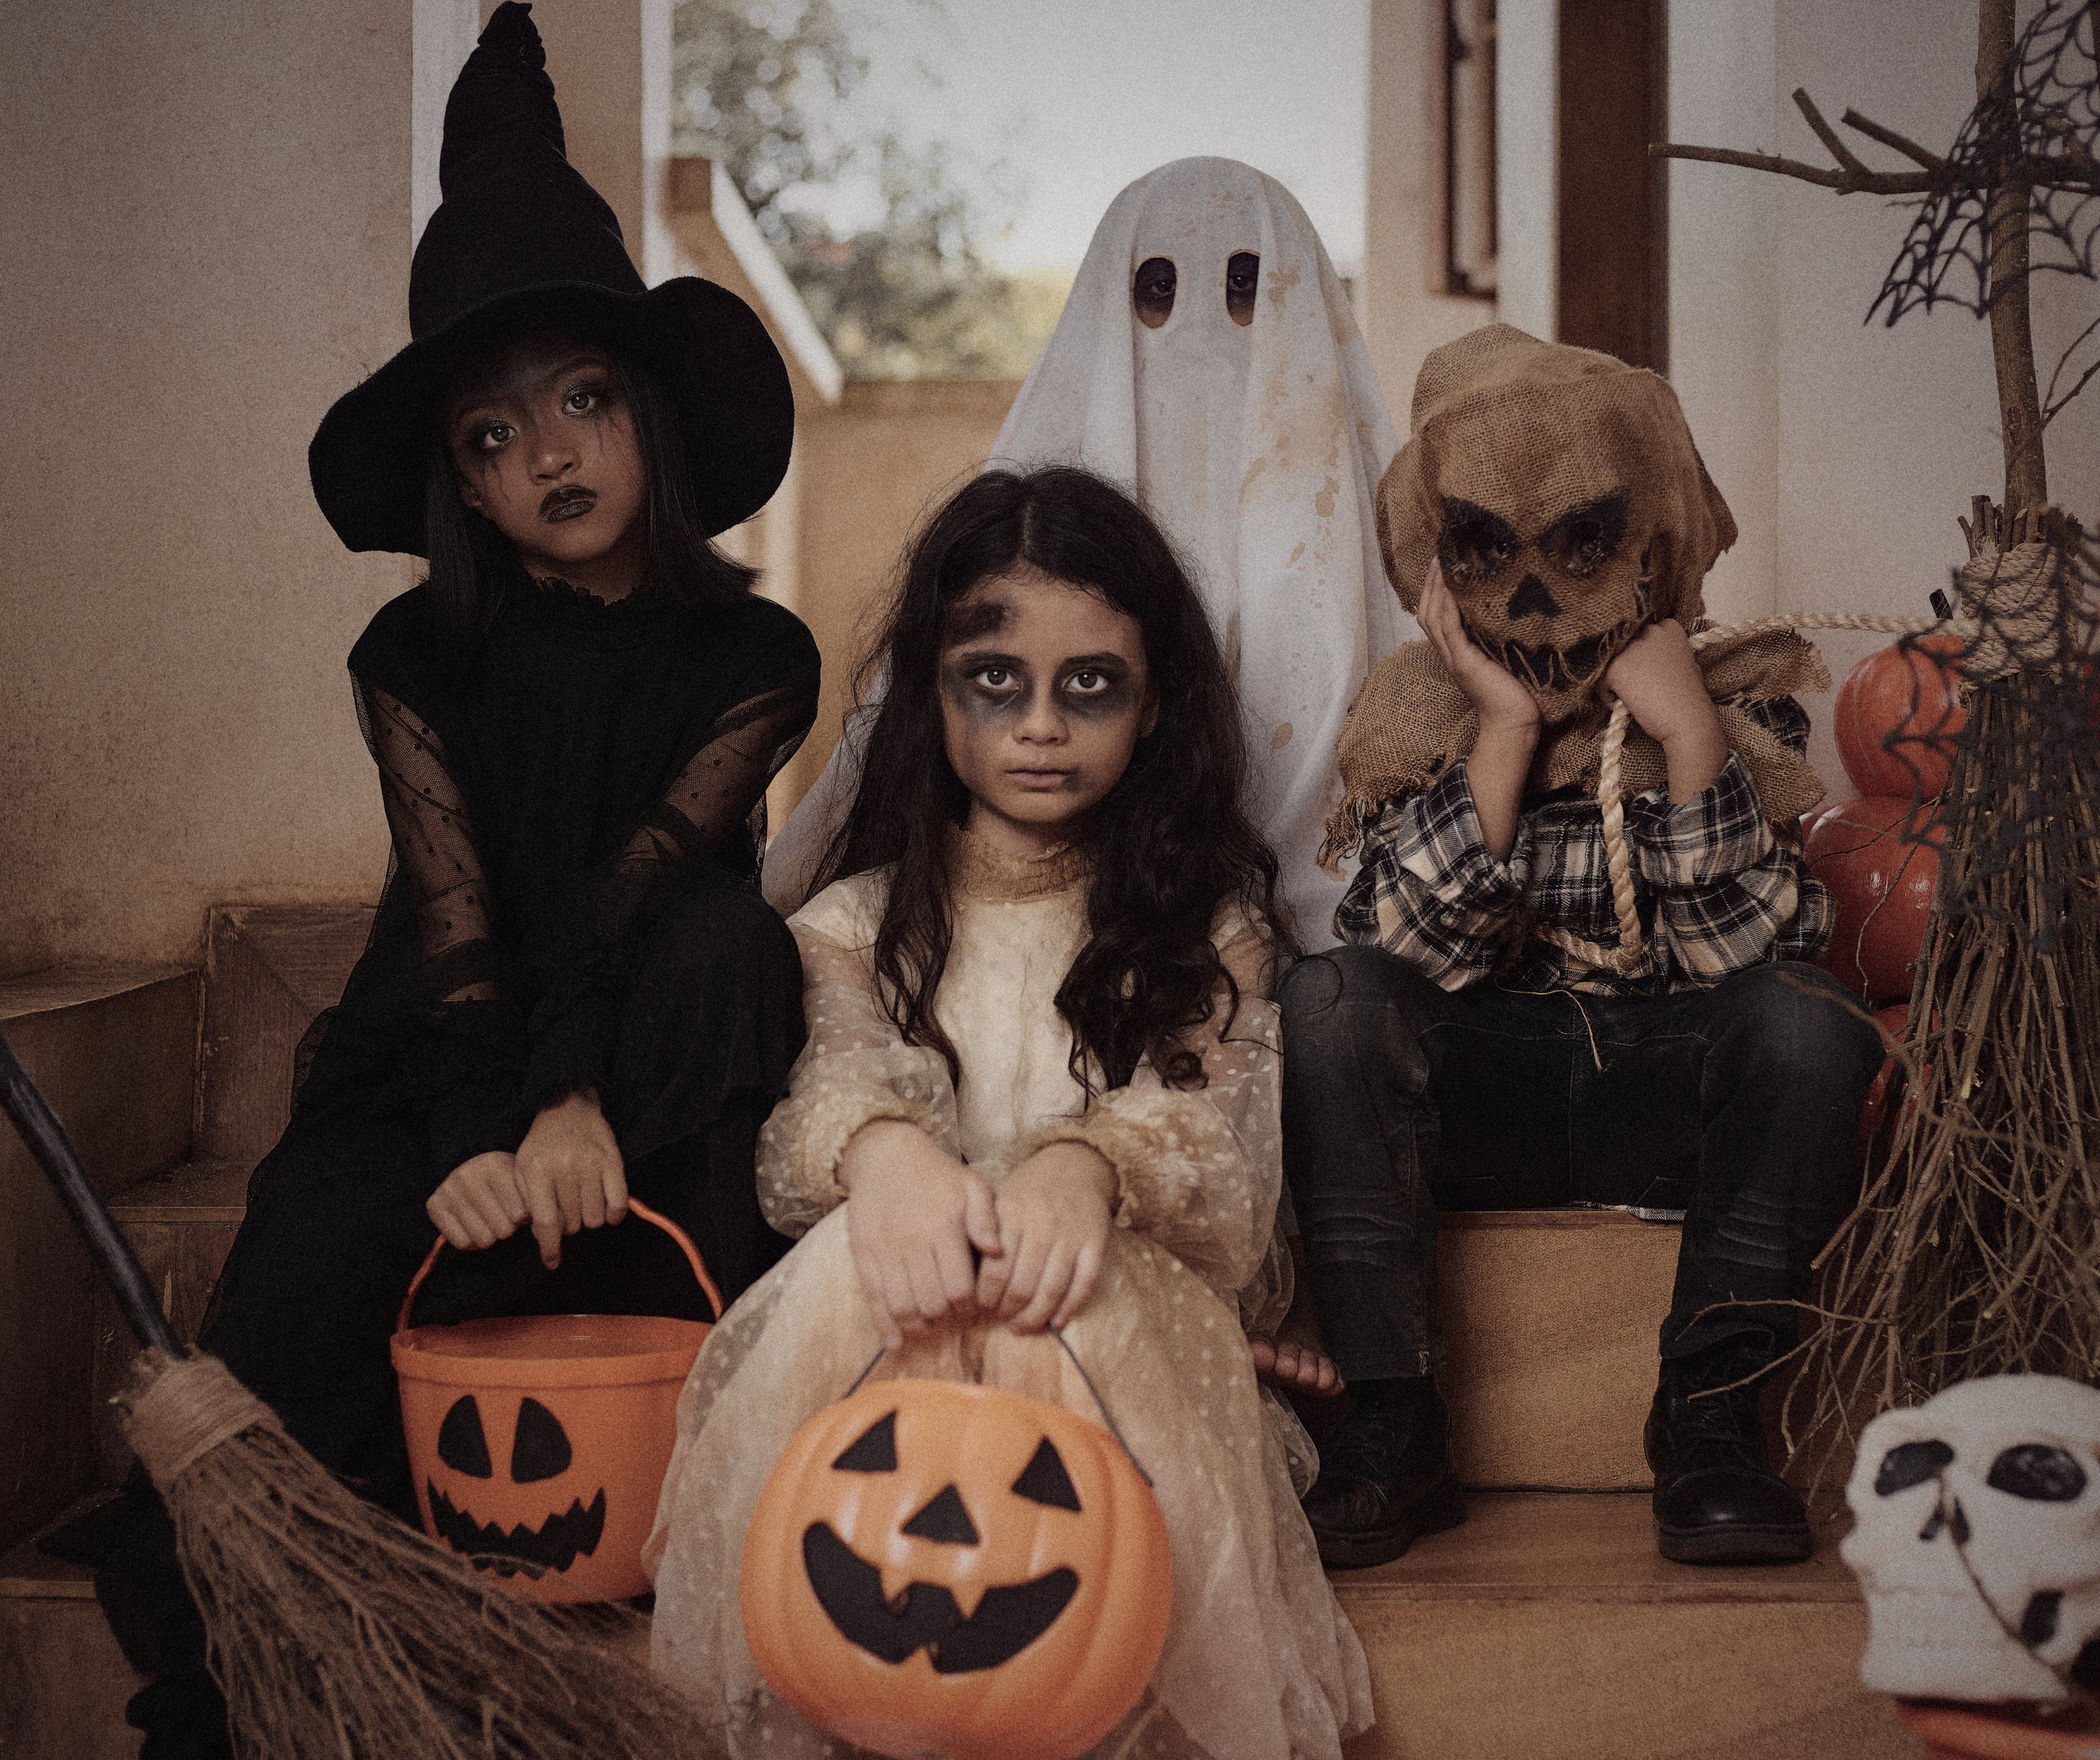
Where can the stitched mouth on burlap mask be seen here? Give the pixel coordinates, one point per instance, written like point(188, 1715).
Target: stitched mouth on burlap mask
point(1543, 667)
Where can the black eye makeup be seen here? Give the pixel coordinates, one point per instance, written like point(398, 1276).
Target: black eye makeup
point(1242, 275)
point(1152, 292)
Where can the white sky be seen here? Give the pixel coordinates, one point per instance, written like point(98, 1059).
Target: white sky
point(1079, 97)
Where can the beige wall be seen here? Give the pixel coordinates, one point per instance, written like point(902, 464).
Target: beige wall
point(869, 469)
point(203, 249)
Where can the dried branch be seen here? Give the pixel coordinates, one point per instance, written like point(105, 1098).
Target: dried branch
point(1888, 136)
point(1829, 135)
point(1845, 182)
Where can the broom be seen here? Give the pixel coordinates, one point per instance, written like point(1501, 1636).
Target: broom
point(334, 1630)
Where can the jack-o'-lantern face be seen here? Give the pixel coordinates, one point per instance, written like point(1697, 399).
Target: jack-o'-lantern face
point(504, 1503)
point(935, 1567)
point(1561, 492)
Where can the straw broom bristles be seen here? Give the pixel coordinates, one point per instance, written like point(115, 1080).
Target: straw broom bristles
point(1976, 1248)
point(337, 1631)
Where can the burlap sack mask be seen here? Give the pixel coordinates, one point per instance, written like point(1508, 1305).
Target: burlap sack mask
point(1561, 490)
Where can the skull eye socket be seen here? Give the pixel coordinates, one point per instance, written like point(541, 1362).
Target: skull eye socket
point(1474, 543)
point(1910, 1463)
point(1584, 537)
point(2037, 1471)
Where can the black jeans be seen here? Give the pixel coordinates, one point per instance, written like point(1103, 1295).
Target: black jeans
point(1737, 1105)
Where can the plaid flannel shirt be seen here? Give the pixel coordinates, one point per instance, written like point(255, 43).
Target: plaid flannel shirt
point(1719, 888)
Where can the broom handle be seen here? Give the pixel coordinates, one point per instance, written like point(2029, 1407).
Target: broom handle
point(48, 1142)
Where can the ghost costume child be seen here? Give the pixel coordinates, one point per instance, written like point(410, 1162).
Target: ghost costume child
point(1260, 1663)
point(1257, 447)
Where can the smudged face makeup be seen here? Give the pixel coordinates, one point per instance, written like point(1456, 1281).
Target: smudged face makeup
point(545, 450)
point(1044, 694)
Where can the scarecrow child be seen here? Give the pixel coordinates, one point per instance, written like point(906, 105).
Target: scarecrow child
point(1492, 1037)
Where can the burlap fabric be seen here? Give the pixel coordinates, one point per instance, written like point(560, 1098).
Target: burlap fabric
point(1587, 514)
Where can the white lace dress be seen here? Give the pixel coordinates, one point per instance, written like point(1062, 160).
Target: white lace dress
point(1260, 1663)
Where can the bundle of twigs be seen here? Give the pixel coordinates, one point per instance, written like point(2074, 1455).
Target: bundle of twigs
point(1975, 1248)
point(336, 1632)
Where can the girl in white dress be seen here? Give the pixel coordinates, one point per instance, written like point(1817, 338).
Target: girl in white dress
point(1040, 1091)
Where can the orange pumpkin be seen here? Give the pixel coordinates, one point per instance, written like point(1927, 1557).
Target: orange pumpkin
point(1898, 713)
point(1879, 858)
point(940, 1568)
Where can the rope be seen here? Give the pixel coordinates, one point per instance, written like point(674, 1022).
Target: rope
point(1618, 860)
point(177, 1411)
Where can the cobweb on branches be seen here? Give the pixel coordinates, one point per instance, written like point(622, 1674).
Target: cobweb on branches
point(2049, 139)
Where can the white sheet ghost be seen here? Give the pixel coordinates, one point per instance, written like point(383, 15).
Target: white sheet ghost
point(1257, 446)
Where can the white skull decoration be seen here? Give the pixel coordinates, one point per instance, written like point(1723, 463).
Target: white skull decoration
point(1978, 1541)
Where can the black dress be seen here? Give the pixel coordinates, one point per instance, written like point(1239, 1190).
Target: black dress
point(571, 905)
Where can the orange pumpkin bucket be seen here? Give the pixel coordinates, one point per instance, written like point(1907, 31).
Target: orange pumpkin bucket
point(940, 1568)
point(539, 1443)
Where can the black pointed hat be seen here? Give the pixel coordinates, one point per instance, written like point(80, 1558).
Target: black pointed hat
point(521, 244)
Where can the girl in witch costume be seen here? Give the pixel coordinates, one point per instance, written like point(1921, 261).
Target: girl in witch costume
point(573, 988)
point(1040, 1090)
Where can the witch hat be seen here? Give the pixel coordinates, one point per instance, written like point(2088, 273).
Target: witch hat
point(521, 244)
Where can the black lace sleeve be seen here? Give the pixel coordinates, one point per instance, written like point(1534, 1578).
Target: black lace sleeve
point(469, 1074)
point(694, 831)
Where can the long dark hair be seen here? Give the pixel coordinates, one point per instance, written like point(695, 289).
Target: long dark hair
point(1170, 840)
point(473, 565)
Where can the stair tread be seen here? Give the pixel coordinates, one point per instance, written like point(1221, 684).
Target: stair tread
point(29, 1575)
point(1546, 1545)
point(196, 1191)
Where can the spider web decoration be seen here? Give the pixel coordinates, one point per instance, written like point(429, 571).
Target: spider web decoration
point(2049, 139)
point(2022, 848)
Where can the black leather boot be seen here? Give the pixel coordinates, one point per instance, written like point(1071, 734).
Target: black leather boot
point(1385, 1475)
point(1715, 1502)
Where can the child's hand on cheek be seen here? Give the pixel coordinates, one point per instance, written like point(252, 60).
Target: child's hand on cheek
point(1495, 693)
point(916, 1218)
point(1053, 1224)
point(479, 1203)
point(1658, 677)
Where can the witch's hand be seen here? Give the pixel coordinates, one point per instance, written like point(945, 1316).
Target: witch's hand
point(917, 1219)
point(1053, 1227)
point(570, 1172)
point(479, 1203)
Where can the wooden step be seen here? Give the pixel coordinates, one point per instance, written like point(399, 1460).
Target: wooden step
point(62, 1681)
point(269, 969)
point(115, 1052)
point(1551, 1319)
point(1547, 1626)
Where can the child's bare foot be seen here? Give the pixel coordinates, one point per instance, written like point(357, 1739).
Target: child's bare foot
point(1294, 1363)
point(1294, 1359)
